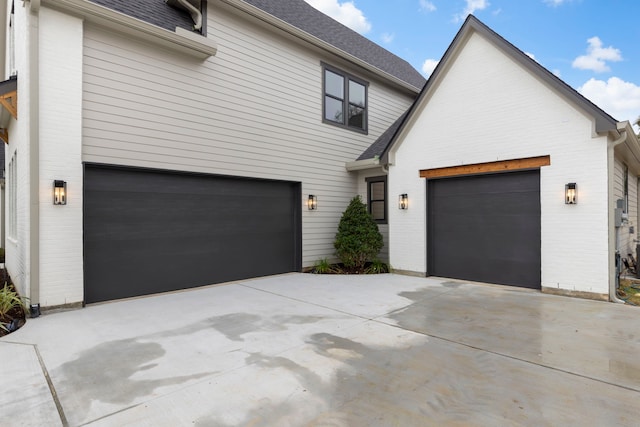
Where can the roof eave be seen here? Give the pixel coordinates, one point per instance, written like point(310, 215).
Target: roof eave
point(303, 35)
point(181, 40)
point(364, 164)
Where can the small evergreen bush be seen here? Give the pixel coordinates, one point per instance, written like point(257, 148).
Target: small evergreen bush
point(358, 239)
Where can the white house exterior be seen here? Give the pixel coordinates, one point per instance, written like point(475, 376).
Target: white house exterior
point(107, 95)
point(189, 156)
point(491, 112)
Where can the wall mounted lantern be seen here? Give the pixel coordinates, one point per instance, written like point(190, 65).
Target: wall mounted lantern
point(59, 192)
point(403, 202)
point(312, 202)
point(571, 193)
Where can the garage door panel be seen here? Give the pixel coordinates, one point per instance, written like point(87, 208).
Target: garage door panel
point(486, 228)
point(158, 231)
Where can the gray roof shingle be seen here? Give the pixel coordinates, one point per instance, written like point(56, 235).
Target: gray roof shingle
point(294, 12)
point(377, 148)
point(155, 12)
point(303, 16)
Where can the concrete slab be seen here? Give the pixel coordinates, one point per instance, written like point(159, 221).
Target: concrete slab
point(302, 349)
point(25, 399)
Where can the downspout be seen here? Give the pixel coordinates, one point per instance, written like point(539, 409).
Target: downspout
point(613, 282)
point(34, 158)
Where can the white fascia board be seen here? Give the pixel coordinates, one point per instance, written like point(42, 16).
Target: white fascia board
point(294, 31)
point(359, 165)
point(181, 40)
point(629, 151)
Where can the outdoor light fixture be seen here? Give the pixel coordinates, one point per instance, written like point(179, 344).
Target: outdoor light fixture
point(312, 202)
point(571, 193)
point(403, 202)
point(59, 192)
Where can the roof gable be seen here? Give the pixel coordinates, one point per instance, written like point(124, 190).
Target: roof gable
point(603, 122)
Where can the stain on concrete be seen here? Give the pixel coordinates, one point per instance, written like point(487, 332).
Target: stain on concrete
point(107, 372)
point(451, 284)
point(235, 325)
point(427, 382)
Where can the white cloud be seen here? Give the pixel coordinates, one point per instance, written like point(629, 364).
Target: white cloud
point(428, 66)
point(531, 55)
point(615, 96)
point(427, 6)
point(387, 37)
point(346, 13)
point(556, 72)
point(597, 57)
point(556, 3)
point(472, 6)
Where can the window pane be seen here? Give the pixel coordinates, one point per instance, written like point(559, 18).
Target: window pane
point(333, 84)
point(377, 191)
point(377, 210)
point(356, 94)
point(356, 116)
point(333, 110)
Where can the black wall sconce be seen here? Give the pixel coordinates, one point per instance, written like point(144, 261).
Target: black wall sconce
point(59, 192)
point(571, 193)
point(403, 202)
point(312, 202)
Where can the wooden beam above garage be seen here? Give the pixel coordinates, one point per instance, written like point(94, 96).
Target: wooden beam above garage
point(489, 167)
point(10, 102)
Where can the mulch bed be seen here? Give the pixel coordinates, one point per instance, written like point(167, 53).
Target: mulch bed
point(629, 291)
point(16, 317)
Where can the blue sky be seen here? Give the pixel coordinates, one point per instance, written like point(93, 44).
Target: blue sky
point(593, 45)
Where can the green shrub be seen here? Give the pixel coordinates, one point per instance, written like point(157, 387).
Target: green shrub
point(377, 267)
point(358, 239)
point(323, 267)
point(10, 301)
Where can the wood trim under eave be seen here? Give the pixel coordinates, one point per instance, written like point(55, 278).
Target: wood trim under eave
point(489, 167)
point(4, 135)
point(10, 102)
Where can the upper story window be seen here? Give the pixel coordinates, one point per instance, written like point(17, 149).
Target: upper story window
point(345, 100)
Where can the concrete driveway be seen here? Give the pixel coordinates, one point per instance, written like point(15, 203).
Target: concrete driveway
point(301, 349)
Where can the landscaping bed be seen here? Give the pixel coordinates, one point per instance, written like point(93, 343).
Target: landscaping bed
point(12, 306)
point(629, 291)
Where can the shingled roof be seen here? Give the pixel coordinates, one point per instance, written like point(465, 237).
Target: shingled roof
point(303, 16)
point(294, 12)
point(380, 145)
point(155, 12)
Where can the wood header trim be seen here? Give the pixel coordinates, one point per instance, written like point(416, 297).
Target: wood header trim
point(10, 102)
point(478, 168)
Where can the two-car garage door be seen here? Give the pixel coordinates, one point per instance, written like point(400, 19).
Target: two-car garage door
point(485, 228)
point(151, 231)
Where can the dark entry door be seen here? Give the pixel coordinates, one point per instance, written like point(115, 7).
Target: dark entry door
point(148, 231)
point(485, 228)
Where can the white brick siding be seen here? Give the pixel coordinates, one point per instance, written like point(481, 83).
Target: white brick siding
point(489, 108)
point(61, 264)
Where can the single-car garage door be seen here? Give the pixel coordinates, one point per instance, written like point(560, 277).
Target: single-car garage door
point(485, 228)
point(149, 231)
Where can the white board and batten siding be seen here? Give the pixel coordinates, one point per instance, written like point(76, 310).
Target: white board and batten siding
point(488, 108)
point(252, 110)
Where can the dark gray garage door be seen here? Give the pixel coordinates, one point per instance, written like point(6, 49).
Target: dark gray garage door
point(485, 228)
point(152, 231)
